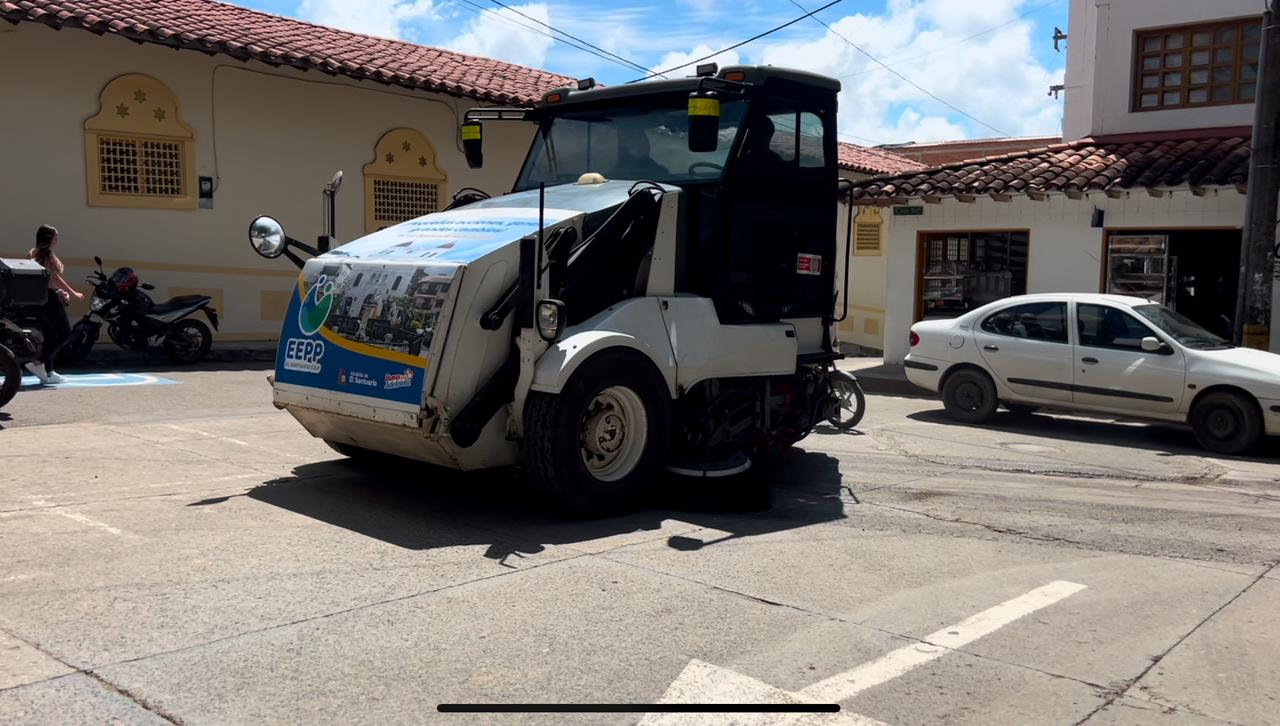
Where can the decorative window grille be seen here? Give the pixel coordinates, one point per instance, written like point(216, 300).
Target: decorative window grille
point(398, 200)
point(149, 167)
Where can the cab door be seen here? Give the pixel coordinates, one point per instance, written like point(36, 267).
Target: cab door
point(1114, 373)
point(1027, 348)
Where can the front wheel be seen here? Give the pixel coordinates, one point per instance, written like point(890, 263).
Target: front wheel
point(10, 376)
point(77, 347)
point(1226, 422)
point(188, 342)
point(598, 446)
point(850, 402)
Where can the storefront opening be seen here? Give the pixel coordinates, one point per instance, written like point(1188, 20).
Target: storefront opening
point(1194, 271)
point(960, 271)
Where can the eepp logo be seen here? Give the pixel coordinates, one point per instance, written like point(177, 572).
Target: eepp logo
point(316, 305)
point(303, 354)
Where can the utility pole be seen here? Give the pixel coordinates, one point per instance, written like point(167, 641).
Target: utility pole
point(1258, 241)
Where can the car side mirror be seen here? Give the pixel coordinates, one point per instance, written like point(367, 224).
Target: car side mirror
point(267, 237)
point(473, 143)
point(704, 121)
point(1152, 344)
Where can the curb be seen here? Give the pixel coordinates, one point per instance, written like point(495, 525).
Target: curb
point(891, 386)
point(113, 356)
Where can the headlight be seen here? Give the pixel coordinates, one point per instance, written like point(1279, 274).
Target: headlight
point(97, 303)
point(550, 319)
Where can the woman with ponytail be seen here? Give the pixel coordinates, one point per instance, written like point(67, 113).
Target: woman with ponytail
point(54, 311)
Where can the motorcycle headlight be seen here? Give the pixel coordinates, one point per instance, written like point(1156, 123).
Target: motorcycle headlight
point(97, 303)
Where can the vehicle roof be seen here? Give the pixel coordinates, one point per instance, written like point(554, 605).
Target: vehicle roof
point(1127, 300)
point(755, 74)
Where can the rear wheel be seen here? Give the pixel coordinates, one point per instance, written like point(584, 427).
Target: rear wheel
point(598, 446)
point(10, 376)
point(188, 342)
point(969, 396)
point(1226, 422)
point(850, 405)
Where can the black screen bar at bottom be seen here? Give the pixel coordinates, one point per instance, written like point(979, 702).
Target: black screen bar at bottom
point(638, 708)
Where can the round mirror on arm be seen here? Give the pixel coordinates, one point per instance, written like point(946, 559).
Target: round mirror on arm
point(267, 237)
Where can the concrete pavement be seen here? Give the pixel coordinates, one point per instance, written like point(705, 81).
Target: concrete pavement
point(184, 553)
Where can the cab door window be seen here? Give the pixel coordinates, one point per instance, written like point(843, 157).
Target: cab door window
point(1045, 321)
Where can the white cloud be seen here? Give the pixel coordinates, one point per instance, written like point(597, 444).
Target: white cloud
point(672, 60)
point(497, 35)
point(373, 17)
point(994, 77)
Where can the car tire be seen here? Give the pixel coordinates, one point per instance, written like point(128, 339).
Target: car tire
point(969, 396)
point(1020, 410)
point(613, 393)
point(1226, 422)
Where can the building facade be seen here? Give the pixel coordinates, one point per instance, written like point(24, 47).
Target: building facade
point(1144, 196)
point(154, 139)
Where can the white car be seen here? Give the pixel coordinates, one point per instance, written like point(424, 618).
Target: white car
point(1122, 356)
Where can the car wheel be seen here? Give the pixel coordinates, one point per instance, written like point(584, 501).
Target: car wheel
point(1226, 423)
point(1020, 410)
point(598, 447)
point(969, 396)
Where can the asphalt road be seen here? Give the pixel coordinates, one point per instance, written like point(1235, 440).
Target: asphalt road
point(183, 552)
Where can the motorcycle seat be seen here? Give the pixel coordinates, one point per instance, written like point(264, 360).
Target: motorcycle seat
point(177, 303)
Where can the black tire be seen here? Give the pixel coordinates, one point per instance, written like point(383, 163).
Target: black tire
point(1226, 422)
point(188, 342)
point(1020, 410)
point(603, 393)
point(77, 347)
point(10, 376)
point(847, 390)
point(969, 396)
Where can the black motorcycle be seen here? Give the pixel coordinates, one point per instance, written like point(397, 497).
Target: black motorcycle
point(20, 297)
point(136, 322)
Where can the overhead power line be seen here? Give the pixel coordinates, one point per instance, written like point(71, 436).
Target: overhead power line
point(742, 43)
point(553, 29)
point(949, 46)
point(486, 12)
point(917, 86)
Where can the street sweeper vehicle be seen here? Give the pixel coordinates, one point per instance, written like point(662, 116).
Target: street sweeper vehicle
point(655, 296)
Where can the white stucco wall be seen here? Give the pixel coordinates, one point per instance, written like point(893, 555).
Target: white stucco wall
point(1064, 251)
point(280, 134)
point(864, 324)
point(1100, 65)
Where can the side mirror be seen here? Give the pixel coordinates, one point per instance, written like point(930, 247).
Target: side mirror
point(97, 260)
point(1152, 344)
point(267, 237)
point(335, 183)
point(704, 121)
point(147, 286)
point(473, 143)
point(550, 319)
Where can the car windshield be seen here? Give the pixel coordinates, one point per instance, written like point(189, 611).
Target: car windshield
point(1179, 327)
point(634, 142)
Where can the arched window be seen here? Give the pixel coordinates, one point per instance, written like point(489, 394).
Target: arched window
point(402, 182)
point(138, 152)
point(868, 232)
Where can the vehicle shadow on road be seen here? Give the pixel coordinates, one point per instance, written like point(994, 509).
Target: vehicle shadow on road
point(419, 507)
point(1164, 439)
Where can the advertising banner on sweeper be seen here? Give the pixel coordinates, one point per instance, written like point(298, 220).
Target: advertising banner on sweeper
point(365, 315)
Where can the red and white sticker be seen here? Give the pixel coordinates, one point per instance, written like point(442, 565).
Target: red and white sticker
point(808, 264)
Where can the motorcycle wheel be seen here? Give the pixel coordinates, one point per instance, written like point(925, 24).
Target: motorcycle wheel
point(10, 376)
point(188, 342)
point(77, 347)
point(850, 402)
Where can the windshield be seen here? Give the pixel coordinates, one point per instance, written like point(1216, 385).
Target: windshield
point(634, 142)
point(1179, 327)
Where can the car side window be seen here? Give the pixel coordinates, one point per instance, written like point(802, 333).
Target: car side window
point(1101, 326)
point(1045, 321)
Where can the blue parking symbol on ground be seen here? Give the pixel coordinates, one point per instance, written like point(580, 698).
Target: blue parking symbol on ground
point(98, 380)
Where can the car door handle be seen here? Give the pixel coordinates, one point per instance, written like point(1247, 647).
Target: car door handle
point(1089, 360)
point(990, 347)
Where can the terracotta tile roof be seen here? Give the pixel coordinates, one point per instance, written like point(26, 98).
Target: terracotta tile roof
point(874, 161)
point(937, 153)
point(1106, 165)
point(214, 27)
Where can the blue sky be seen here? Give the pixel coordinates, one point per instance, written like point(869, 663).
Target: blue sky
point(992, 60)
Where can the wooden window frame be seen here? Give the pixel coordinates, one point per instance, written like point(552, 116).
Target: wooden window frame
point(1184, 87)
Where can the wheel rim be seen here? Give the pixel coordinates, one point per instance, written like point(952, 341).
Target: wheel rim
point(1222, 423)
point(969, 396)
point(615, 428)
point(187, 340)
point(846, 400)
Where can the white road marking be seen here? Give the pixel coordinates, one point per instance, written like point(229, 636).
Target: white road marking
point(78, 517)
point(14, 578)
point(702, 682)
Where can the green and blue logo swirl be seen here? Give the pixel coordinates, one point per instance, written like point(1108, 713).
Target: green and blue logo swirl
point(316, 305)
